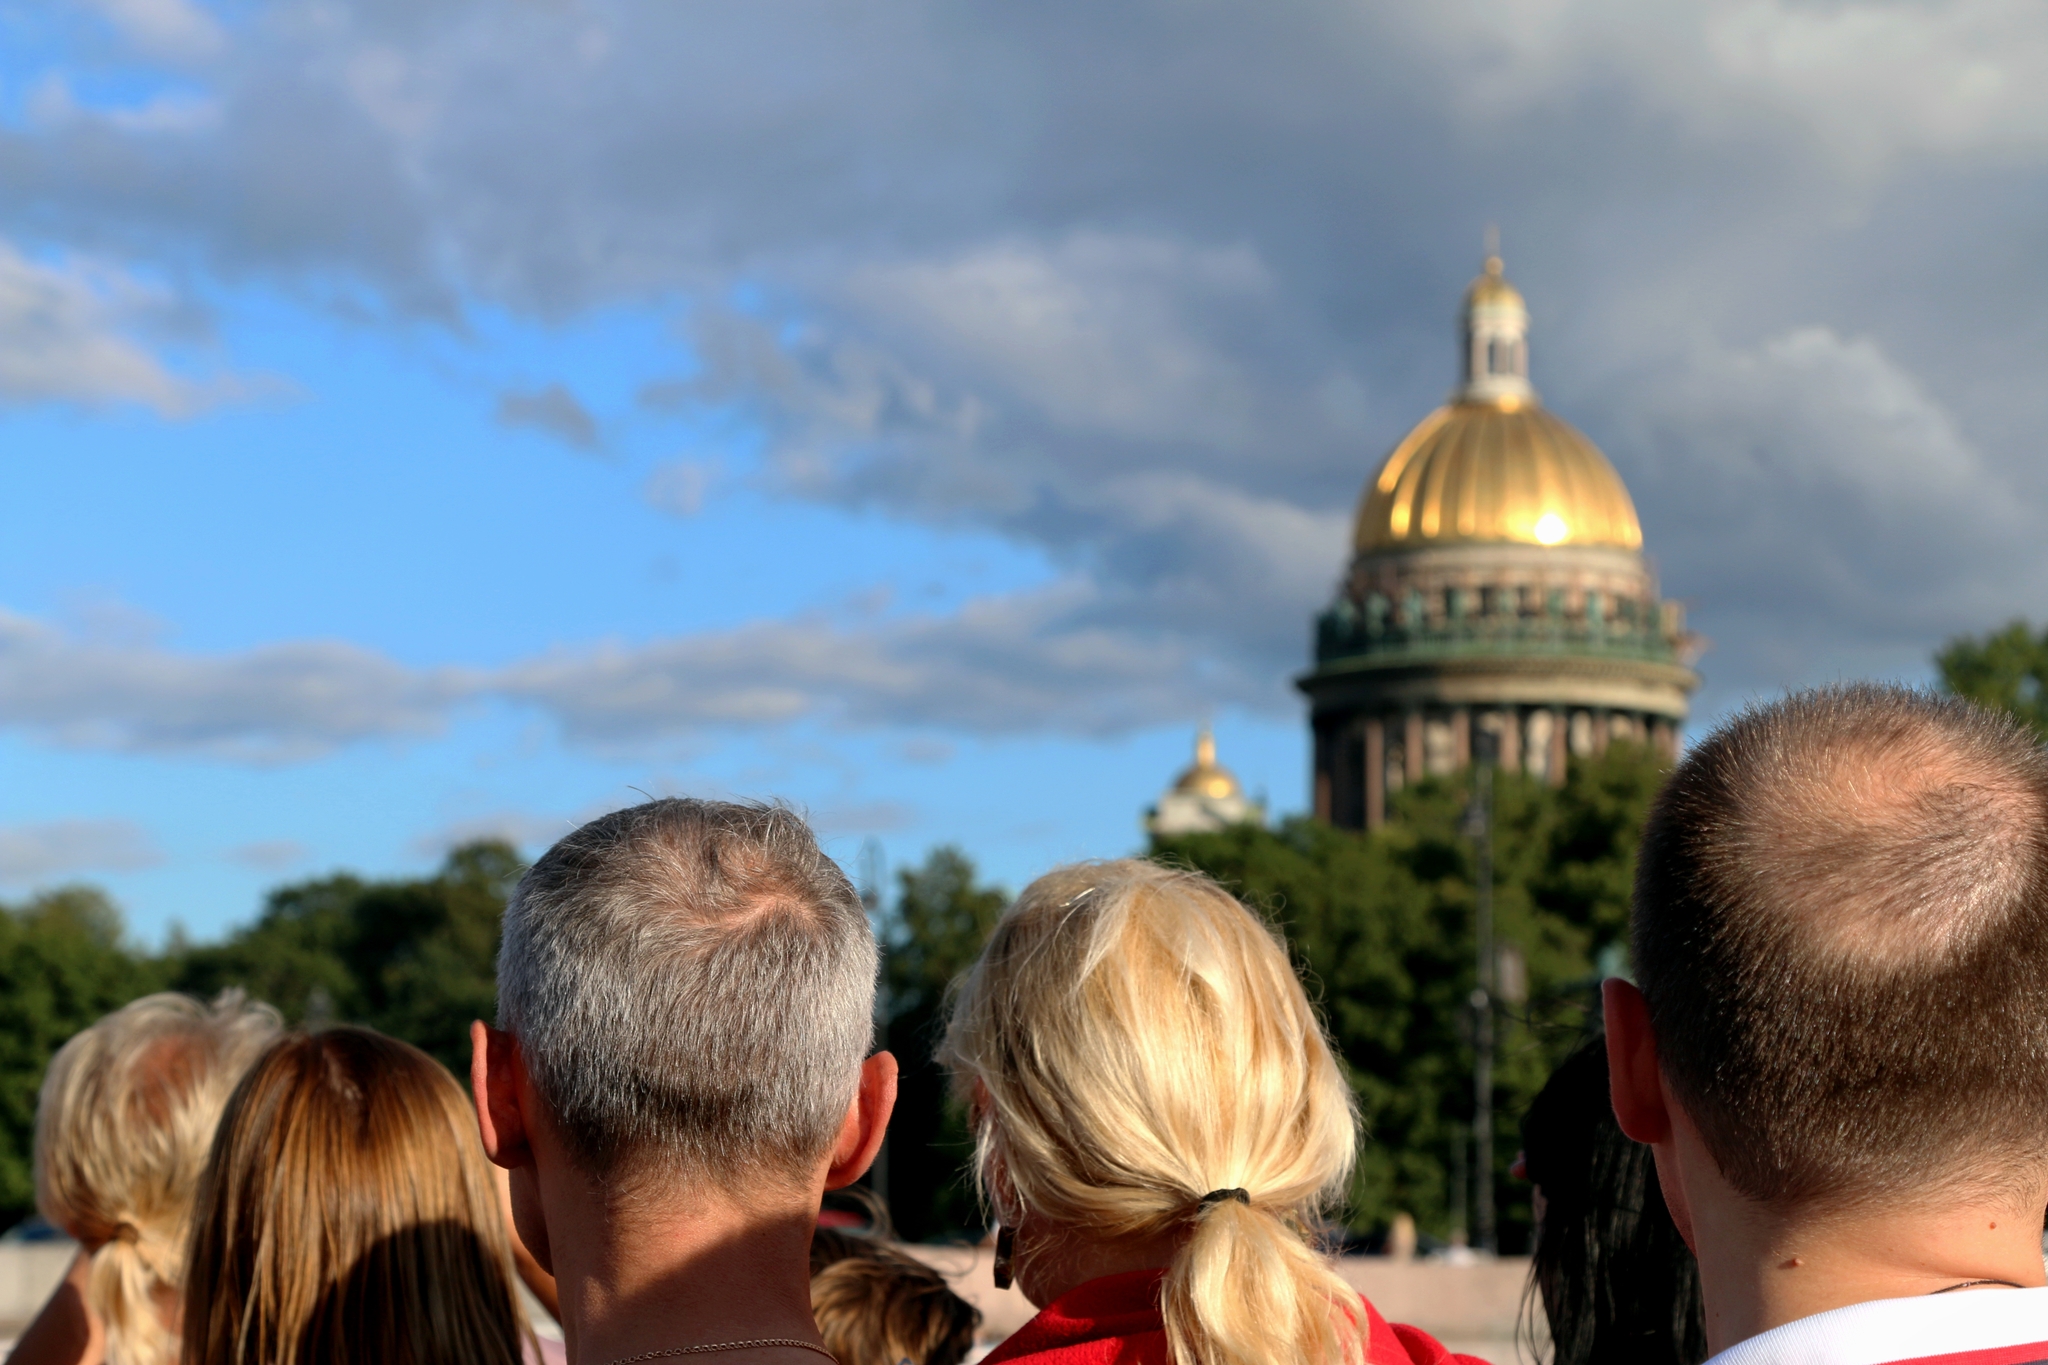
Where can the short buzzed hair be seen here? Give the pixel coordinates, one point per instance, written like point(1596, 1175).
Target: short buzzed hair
point(1841, 929)
point(692, 985)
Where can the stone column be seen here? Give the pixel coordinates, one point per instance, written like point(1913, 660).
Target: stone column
point(1411, 746)
point(1511, 740)
point(1320, 764)
point(1560, 746)
point(1664, 739)
point(1461, 738)
point(1375, 773)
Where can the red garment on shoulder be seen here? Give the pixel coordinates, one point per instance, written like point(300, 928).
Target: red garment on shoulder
point(1115, 1321)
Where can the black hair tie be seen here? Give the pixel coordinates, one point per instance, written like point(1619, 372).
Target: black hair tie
point(1218, 1196)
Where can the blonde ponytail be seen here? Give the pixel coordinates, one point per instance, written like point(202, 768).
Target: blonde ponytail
point(123, 1127)
point(132, 1275)
point(1143, 1062)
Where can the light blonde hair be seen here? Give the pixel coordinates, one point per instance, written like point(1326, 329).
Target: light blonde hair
point(126, 1116)
point(1140, 1041)
point(347, 1215)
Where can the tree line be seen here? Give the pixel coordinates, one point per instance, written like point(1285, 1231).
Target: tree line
point(1381, 926)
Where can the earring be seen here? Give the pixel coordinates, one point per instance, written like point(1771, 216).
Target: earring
point(1006, 1247)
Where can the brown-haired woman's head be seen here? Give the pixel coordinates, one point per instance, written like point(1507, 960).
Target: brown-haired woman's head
point(123, 1126)
point(1144, 1069)
point(348, 1214)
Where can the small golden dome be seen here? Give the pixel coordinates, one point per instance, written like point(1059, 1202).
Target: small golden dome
point(1207, 777)
point(1491, 289)
point(1493, 472)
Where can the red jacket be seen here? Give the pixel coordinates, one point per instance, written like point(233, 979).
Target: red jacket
point(1115, 1321)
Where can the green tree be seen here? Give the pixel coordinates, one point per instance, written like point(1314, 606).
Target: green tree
point(931, 935)
point(416, 958)
point(2007, 669)
point(63, 963)
point(1382, 925)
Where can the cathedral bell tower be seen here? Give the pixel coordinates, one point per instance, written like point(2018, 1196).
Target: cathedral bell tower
point(1497, 602)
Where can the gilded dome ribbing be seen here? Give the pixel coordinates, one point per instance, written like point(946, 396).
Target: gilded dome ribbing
point(1474, 472)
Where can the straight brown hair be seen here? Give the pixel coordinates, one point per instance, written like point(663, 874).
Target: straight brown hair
point(1841, 928)
point(347, 1214)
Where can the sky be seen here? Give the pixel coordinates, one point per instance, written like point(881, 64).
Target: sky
point(422, 422)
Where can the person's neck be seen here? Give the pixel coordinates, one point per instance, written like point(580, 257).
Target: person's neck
point(643, 1271)
point(1051, 1261)
point(1762, 1267)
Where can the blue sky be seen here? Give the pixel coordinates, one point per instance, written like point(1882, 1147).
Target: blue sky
point(421, 422)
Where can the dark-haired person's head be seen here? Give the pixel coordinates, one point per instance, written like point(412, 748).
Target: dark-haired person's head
point(1617, 1284)
point(1840, 1044)
point(685, 1006)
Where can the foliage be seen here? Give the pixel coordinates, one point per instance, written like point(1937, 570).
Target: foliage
point(2006, 669)
point(1382, 925)
point(63, 964)
point(930, 936)
point(415, 958)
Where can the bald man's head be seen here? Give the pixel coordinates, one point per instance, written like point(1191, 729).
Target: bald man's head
point(1841, 927)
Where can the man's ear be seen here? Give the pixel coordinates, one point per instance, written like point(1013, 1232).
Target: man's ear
point(1635, 1085)
point(494, 1074)
point(867, 1122)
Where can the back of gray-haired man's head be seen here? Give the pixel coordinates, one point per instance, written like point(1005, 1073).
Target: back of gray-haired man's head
point(691, 984)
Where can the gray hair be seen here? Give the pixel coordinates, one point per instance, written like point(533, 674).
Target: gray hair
point(690, 981)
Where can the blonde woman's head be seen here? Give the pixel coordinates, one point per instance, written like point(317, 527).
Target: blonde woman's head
point(1133, 1039)
point(123, 1126)
point(348, 1214)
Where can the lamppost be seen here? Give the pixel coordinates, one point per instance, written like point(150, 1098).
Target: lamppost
point(1479, 824)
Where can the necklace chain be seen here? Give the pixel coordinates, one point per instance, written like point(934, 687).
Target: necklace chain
point(1972, 1284)
point(757, 1344)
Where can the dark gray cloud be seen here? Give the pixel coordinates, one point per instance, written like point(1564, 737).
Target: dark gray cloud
point(553, 410)
point(62, 848)
point(1153, 287)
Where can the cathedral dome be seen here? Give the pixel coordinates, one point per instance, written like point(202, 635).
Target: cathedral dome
point(1205, 776)
point(1501, 471)
point(1205, 798)
point(1491, 466)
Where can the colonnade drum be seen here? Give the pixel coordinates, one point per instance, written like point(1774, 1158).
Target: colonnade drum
point(1497, 604)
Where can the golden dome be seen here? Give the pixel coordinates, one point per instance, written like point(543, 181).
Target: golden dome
point(1207, 777)
point(1491, 289)
point(1505, 471)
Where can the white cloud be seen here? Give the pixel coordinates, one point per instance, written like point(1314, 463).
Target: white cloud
point(553, 410)
point(277, 703)
point(164, 28)
point(61, 848)
point(67, 335)
point(679, 487)
point(271, 855)
point(524, 830)
point(1032, 662)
